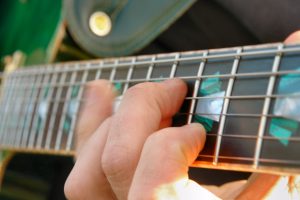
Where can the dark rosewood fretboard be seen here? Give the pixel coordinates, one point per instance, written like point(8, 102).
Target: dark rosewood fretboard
point(248, 99)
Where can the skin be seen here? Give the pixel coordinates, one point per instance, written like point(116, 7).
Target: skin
point(133, 153)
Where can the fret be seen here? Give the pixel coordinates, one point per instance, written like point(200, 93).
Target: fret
point(98, 73)
point(8, 114)
point(30, 109)
point(3, 95)
point(47, 102)
point(174, 66)
point(21, 101)
point(225, 107)
point(36, 121)
point(64, 112)
point(76, 111)
point(55, 110)
point(23, 114)
point(4, 108)
point(196, 88)
point(113, 72)
point(129, 74)
point(150, 68)
point(266, 107)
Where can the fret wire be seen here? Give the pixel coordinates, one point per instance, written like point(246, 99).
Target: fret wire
point(150, 68)
point(266, 107)
point(231, 114)
point(72, 127)
point(12, 117)
point(113, 71)
point(55, 110)
point(129, 74)
point(30, 111)
point(229, 55)
point(225, 108)
point(43, 130)
point(174, 66)
point(35, 121)
point(8, 112)
point(19, 111)
point(99, 71)
point(63, 116)
point(254, 137)
point(24, 109)
point(3, 100)
point(221, 76)
point(8, 89)
point(10, 107)
point(196, 88)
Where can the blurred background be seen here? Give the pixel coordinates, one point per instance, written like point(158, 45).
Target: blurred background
point(49, 31)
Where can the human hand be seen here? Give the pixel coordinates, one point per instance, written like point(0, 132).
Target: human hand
point(133, 153)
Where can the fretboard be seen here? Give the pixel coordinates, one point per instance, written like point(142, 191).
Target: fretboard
point(247, 98)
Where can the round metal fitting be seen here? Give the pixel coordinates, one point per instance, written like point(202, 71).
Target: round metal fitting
point(100, 23)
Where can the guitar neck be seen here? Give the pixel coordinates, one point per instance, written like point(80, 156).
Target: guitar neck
point(243, 97)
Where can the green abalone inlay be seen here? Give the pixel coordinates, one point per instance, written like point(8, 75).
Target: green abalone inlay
point(67, 124)
point(287, 109)
point(208, 86)
point(75, 91)
point(68, 119)
point(118, 87)
point(40, 120)
point(283, 129)
point(207, 123)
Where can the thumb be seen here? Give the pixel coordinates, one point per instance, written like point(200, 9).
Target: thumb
point(162, 171)
point(293, 38)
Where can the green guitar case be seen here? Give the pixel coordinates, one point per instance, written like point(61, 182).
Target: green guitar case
point(134, 23)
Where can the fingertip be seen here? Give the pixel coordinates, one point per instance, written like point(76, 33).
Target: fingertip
point(96, 87)
point(197, 137)
point(293, 38)
point(199, 127)
point(175, 84)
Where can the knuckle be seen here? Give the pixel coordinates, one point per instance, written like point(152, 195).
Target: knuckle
point(171, 148)
point(161, 139)
point(114, 161)
point(141, 89)
point(151, 94)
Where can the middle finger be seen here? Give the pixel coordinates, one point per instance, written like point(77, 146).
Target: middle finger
point(141, 113)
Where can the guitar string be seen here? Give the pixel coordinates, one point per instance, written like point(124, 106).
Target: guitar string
point(230, 115)
point(110, 64)
point(234, 97)
point(185, 78)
